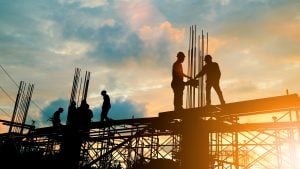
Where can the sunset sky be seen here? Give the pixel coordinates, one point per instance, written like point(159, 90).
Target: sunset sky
point(129, 47)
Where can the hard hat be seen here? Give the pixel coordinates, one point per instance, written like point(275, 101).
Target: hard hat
point(207, 58)
point(180, 55)
point(103, 92)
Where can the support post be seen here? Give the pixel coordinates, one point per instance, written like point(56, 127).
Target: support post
point(195, 143)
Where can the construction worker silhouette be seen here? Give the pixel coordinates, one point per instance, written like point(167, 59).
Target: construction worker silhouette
point(71, 117)
point(85, 117)
point(212, 71)
point(177, 83)
point(56, 117)
point(105, 106)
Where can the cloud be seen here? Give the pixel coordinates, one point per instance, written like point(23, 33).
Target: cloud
point(161, 42)
point(82, 20)
point(127, 109)
point(225, 2)
point(122, 109)
point(97, 24)
point(112, 45)
point(93, 3)
point(138, 14)
point(164, 31)
point(85, 3)
point(48, 111)
point(72, 48)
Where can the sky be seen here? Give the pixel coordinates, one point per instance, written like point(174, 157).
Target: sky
point(129, 47)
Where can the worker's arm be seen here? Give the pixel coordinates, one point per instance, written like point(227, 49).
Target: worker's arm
point(201, 73)
point(187, 76)
point(179, 71)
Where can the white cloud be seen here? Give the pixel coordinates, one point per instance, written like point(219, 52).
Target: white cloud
point(72, 48)
point(225, 2)
point(86, 3)
point(49, 28)
point(138, 14)
point(96, 23)
point(269, 84)
point(165, 30)
point(82, 19)
point(246, 51)
point(93, 3)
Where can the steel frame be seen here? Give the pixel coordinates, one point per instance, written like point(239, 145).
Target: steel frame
point(233, 142)
point(268, 145)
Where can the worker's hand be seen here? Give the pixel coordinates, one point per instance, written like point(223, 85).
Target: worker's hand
point(192, 82)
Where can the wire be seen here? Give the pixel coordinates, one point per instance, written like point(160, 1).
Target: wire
point(7, 94)
point(8, 115)
point(10, 99)
point(17, 86)
point(9, 76)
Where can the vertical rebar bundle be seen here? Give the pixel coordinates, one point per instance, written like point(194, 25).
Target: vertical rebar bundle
point(21, 108)
point(85, 85)
point(76, 92)
point(195, 93)
point(75, 85)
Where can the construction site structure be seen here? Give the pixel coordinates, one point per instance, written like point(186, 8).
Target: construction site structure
point(259, 133)
point(206, 137)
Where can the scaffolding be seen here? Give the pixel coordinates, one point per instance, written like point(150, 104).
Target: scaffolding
point(217, 139)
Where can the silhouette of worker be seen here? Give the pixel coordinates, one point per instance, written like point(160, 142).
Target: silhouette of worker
point(76, 131)
point(71, 113)
point(213, 74)
point(56, 117)
point(86, 115)
point(177, 83)
point(105, 106)
point(89, 114)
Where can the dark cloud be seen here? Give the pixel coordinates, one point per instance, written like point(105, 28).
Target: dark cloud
point(116, 44)
point(48, 111)
point(121, 109)
point(113, 42)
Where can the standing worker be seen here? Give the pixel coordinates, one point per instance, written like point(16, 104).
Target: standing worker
point(71, 117)
point(85, 117)
point(56, 117)
point(177, 83)
point(105, 106)
point(213, 75)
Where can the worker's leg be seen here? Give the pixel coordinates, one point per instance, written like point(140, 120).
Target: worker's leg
point(217, 88)
point(178, 101)
point(105, 115)
point(208, 92)
point(178, 98)
point(102, 115)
